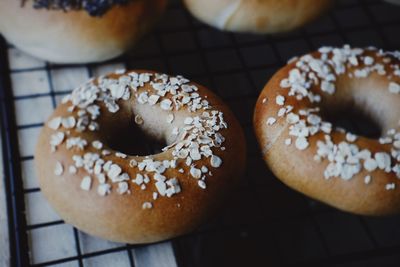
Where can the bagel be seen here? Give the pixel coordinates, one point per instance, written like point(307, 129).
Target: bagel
point(147, 198)
point(257, 16)
point(64, 32)
point(302, 148)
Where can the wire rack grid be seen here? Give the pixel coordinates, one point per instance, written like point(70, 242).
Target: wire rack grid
point(267, 223)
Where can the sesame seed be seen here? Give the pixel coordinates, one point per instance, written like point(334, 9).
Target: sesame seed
point(370, 164)
point(385, 140)
point(188, 120)
point(292, 118)
point(121, 155)
point(59, 169)
point(147, 205)
point(383, 160)
point(328, 87)
point(215, 161)
point(138, 119)
point(153, 99)
point(281, 112)
point(76, 142)
point(114, 171)
point(139, 179)
point(271, 121)
point(170, 118)
point(363, 73)
point(201, 184)
point(394, 88)
point(301, 143)
point(132, 163)
point(68, 122)
point(313, 119)
point(175, 131)
point(161, 188)
point(204, 169)
point(97, 144)
point(103, 189)
point(396, 170)
point(351, 137)
point(122, 188)
point(56, 139)
point(120, 71)
point(284, 83)
point(390, 186)
point(72, 169)
point(105, 152)
point(280, 100)
point(396, 144)
point(86, 183)
point(317, 158)
point(368, 60)
point(353, 61)
point(196, 173)
point(166, 104)
point(54, 123)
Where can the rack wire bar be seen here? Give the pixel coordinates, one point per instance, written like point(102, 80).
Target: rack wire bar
point(266, 222)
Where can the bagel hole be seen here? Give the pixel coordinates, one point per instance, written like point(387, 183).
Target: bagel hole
point(354, 120)
point(134, 141)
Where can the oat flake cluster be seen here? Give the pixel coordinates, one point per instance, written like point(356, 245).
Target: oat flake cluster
point(346, 159)
point(195, 140)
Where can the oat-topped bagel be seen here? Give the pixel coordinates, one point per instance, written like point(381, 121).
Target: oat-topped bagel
point(353, 173)
point(139, 199)
point(71, 31)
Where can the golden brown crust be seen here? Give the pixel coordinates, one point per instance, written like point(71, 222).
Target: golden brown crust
point(259, 16)
point(75, 36)
point(121, 217)
point(301, 171)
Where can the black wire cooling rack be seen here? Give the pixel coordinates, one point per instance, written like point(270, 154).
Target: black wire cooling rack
point(267, 224)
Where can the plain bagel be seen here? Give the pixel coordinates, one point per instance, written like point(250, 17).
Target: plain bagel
point(258, 16)
point(353, 173)
point(76, 34)
point(139, 199)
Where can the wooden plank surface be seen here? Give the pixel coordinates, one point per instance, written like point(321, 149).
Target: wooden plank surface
point(157, 255)
point(4, 245)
